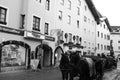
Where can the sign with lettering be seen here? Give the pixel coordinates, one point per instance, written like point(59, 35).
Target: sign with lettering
point(11, 30)
point(49, 38)
point(33, 35)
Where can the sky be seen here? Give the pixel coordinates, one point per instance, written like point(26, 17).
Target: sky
point(110, 9)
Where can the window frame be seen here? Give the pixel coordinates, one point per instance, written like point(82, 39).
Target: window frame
point(47, 5)
point(78, 23)
point(5, 14)
point(36, 27)
point(69, 19)
point(46, 28)
point(60, 15)
point(69, 4)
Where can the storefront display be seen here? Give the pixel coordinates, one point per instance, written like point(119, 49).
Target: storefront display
point(13, 55)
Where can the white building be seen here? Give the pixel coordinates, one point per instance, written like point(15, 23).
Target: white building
point(103, 37)
point(40, 26)
point(115, 38)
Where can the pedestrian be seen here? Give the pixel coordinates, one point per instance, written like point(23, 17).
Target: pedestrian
point(39, 64)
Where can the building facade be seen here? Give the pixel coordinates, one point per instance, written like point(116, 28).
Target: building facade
point(103, 37)
point(115, 35)
point(40, 29)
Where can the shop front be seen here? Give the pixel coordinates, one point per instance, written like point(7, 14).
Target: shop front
point(15, 55)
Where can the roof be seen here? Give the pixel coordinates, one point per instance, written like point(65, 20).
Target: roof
point(93, 10)
point(108, 24)
point(115, 29)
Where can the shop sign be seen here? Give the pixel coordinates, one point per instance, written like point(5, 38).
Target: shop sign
point(49, 38)
point(33, 35)
point(11, 30)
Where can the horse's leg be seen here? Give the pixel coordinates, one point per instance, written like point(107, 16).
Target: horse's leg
point(71, 75)
point(63, 74)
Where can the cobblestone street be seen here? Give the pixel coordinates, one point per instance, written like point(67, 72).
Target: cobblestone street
point(46, 74)
point(114, 74)
point(51, 74)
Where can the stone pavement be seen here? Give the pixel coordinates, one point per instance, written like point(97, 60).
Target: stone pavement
point(45, 74)
point(112, 75)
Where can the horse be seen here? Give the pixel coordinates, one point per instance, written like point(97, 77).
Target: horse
point(99, 66)
point(65, 66)
point(83, 67)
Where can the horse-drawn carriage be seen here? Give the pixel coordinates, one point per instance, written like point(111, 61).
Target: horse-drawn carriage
point(85, 67)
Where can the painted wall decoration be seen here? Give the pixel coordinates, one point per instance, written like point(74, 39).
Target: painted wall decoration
point(13, 55)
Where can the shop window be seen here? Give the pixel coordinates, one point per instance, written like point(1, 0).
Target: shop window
point(13, 55)
point(36, 23)
point(3, 12)
point(47, 5)
point(46, 28)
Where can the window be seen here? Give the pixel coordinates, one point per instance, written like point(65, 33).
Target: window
point(105, 48)
point(85, 19)
point(46, 28)
point(85, 43)
point(47, 6)
point(79, 2)
point(108, 37)
point(118, 47)
point(104, 26)
point(98, 45)
point(40, 1)
point(104, 36)
point(84, 30)
point(77, 39)
point(85, 7)
point(62, 2)
point(118, 41)
point(78, 23)
point(101, 47)
point(60, 15)
point(70, 37)
point(36, 23)
point(3, 12)
point(69, 19)
point(69, 4)
point(101, 35)
point(89, 45)
point(78, 11)
point(89, 20)
point(98, 34)
point(22, 21)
